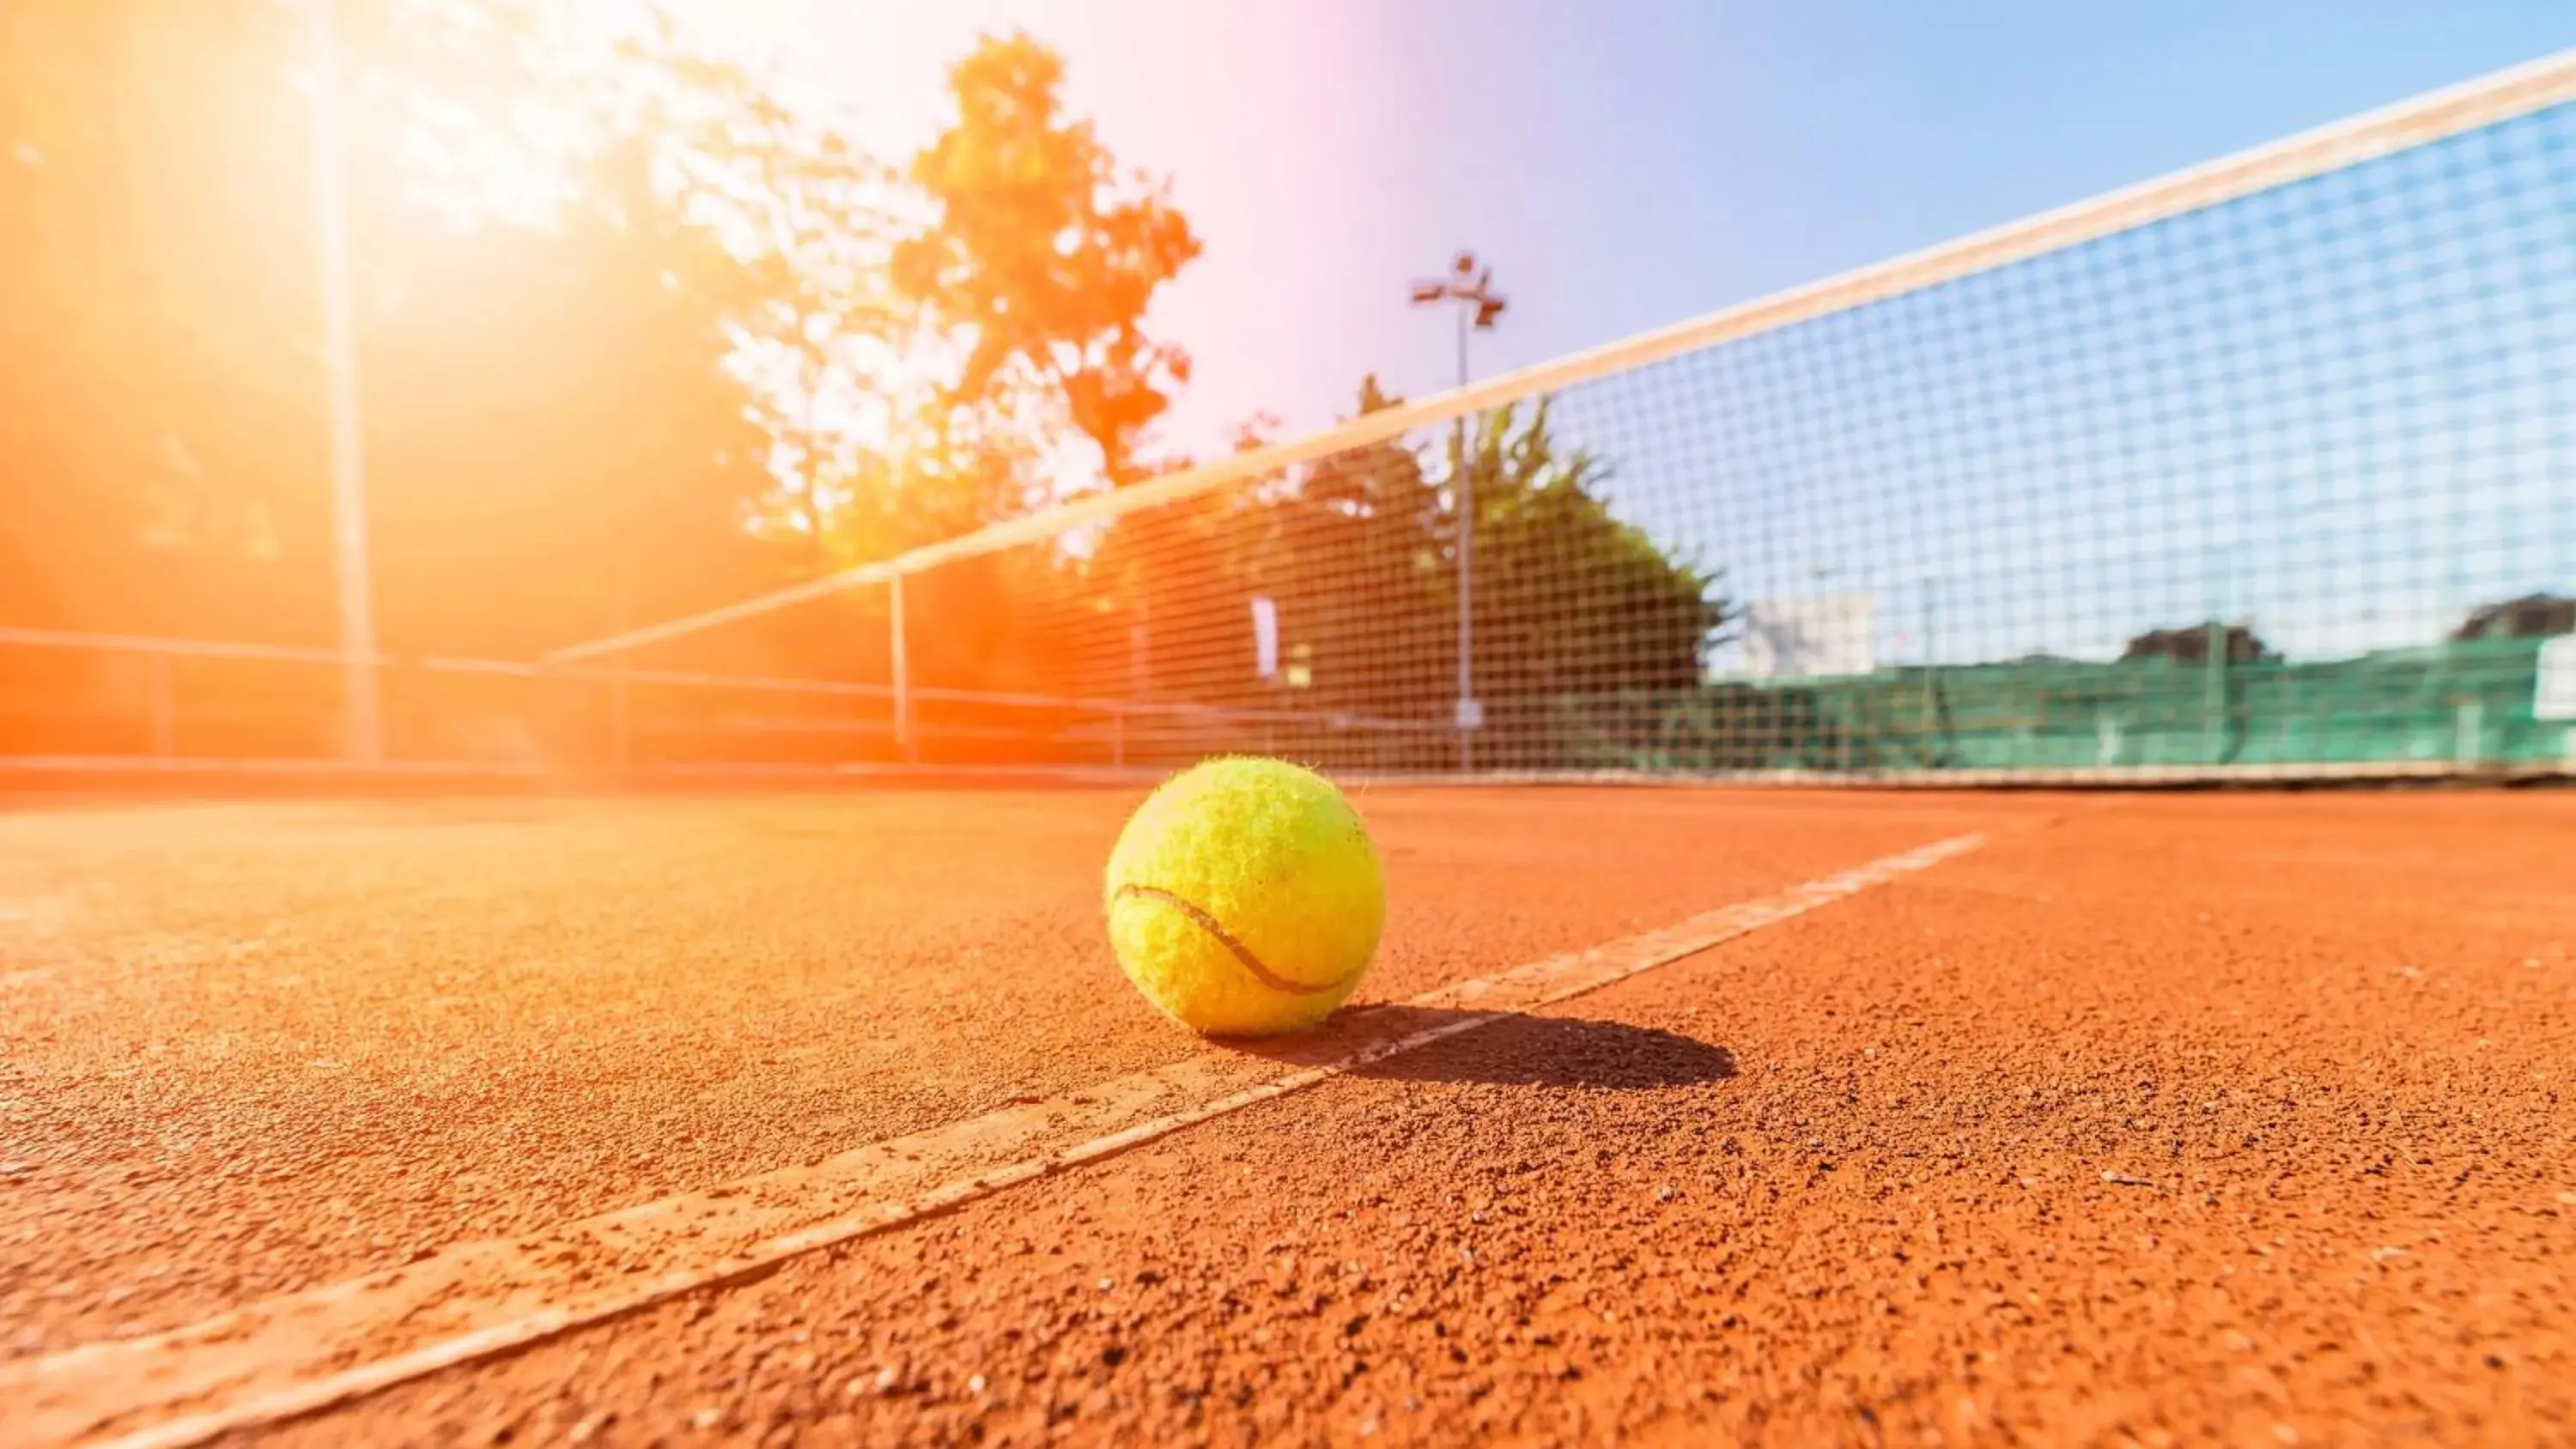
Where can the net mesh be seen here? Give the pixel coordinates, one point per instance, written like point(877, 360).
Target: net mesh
point(2285, 481)
point(2267, 468)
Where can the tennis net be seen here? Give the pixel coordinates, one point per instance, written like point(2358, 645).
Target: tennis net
point(2265, 468)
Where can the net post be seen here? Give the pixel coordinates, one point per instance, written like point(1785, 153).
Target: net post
point(1466, 489)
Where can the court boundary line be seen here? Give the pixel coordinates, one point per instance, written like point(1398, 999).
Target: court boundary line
point(167, 1358)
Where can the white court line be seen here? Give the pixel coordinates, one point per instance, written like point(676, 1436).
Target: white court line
point(302, 1352)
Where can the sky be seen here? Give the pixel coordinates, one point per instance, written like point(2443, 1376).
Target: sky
point(1624, 164)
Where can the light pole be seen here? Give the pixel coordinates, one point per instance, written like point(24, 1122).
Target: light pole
point(1472, 288)
point(363, 739)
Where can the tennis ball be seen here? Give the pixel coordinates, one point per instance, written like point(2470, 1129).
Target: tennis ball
point(1244, 897)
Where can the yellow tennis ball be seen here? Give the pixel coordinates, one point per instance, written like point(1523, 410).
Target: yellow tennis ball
point(1244, 897)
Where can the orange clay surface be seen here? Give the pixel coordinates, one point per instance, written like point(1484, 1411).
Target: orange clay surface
point(2178, 1118)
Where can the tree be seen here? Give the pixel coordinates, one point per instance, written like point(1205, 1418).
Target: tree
point(153, 394)
point(2191, 645)
point(553, 317)
point(2533, 616)
point(1352, 550)
point(1570, 600)
point(1041, 262)
point(555, 450)
point(1356, 554)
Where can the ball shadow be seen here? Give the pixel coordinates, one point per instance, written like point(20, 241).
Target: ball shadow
point(1512, 1050)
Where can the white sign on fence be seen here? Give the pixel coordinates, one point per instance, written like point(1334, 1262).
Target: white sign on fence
point(1265, 637)
point(2554, 694)
point(1804, 638)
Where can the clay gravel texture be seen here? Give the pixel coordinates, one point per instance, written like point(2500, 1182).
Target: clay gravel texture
point(2171, 1119)
point(254, 1047)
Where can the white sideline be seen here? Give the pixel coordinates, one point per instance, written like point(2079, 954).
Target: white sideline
point(299, 1353)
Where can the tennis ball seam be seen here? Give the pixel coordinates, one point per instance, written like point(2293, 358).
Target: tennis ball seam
point(1216, 929)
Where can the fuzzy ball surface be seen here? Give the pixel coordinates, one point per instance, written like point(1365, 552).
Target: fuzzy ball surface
point(1245, 897)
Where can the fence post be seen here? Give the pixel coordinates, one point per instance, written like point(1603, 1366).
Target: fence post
point(2214, 695)
point(902, 673)
point(1931, 752)
point(165, 721)
point(620, 730)
point(362, 729)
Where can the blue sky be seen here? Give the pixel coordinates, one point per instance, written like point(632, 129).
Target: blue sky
point(1623, 163)
point(1626, 163)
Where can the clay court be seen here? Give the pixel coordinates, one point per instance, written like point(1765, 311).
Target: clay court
point(2107, 1118)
